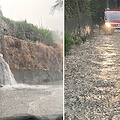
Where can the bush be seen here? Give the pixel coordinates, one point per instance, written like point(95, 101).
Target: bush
point(77, 37)
point(84, 38)
point(68, 42)
point(27, 31)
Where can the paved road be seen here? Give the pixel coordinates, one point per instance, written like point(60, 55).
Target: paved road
point(42, 100)
point(92, 80)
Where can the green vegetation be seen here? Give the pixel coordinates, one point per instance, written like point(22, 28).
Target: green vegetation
point(93, 8)
point(68, 42)
point(58, 5)
point(29, 32)
point(75, 9)
point(84, 38)
point(97, 8)
point(77, 37)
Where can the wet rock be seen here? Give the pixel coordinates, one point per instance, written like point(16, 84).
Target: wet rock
point(46, 80)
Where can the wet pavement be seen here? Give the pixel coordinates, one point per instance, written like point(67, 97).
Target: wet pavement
point(39, 100)
point(92, 80)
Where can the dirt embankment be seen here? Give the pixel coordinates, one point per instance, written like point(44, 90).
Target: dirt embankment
point(22, 55)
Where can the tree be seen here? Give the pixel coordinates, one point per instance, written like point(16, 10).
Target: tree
point(73, 8)
point(29, 32)
point(58, 5)
point(97, 8)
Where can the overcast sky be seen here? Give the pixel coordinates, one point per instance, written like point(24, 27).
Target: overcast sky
point(34, 11)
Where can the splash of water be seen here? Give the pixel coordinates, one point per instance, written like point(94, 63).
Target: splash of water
point(6, 76)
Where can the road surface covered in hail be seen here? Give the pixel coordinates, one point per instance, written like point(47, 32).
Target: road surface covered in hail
point(41, 100)
point(92, 79)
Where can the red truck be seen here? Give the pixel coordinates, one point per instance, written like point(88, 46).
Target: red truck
point(111, 21)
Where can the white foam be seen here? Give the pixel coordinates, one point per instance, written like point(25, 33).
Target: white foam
point(24, 86)
point(6, 76)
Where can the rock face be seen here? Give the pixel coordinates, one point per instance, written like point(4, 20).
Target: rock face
point(32, 63)
point(23, 55)
point(4, 28)
point(36, 77)
point(6, 76)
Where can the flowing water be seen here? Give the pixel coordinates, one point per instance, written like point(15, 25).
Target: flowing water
point(17, 99)
point(6, 76)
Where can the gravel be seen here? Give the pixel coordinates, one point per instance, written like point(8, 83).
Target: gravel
point(92, 80)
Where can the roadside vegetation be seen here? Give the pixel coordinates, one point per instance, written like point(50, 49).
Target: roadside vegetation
point(29, 32)
point(68, 42)
point(75, 8)
point(29, 47)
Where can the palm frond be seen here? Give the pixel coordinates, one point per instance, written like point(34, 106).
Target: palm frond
point(58, 5)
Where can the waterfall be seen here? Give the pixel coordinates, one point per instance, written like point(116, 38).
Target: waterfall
point(6, 76)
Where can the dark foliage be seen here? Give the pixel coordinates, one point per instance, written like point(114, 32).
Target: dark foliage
point(68, 42)
point(29, 32)
point(97, 10)
point(93, 8)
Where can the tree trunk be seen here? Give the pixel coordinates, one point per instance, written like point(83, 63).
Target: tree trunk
point(107, 4)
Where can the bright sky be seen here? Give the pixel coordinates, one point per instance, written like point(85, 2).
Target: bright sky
point(36, 12)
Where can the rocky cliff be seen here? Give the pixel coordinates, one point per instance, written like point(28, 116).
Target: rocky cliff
point(26, 56)
point(4, 28)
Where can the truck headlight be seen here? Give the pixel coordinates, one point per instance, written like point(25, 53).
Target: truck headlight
point(108, 24)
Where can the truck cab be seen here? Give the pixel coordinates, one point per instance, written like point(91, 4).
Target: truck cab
point(112, 20)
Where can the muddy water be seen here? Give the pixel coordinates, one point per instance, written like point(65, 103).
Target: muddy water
point(38, 100)
point(92, 80)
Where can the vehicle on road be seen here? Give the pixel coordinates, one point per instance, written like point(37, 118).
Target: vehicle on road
point(111, 21)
